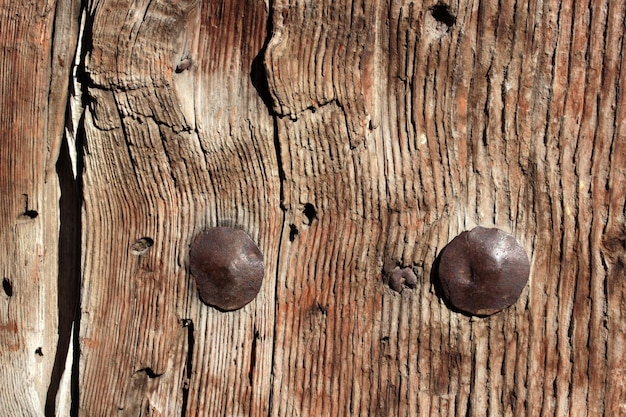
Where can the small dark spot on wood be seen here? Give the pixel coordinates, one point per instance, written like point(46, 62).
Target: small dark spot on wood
point(322, 309)
point(28, 215)
point(293, 232)
point(141, 246)
point(7, 286)
point(150, 372)
point(442, 14)
point(310, 212)
point(31, 214)
point(253, 357)
point(39, 351)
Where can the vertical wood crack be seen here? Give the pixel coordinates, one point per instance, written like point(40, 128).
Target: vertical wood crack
point(188, 323)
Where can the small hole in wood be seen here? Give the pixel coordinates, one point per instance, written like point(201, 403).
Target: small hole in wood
point(150, 372)
point(7, 286)
point(28, 215)
point(39, 351)
point(442, 14)
point(293, 232)
point(141, 246)
point(310, 212)
point(31, 214)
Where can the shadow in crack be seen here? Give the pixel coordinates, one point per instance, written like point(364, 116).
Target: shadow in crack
point(258, 73)
point(68, 277)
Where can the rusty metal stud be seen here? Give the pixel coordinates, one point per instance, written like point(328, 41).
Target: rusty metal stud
point(227, 266)
point(483, 271)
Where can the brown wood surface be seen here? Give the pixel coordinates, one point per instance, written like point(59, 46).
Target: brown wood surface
point(345, 138)
point(37, 42)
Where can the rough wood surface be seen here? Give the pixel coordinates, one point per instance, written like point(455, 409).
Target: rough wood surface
point(480, 113)
point(31, 326)
point(346, 138)
point(169, 152)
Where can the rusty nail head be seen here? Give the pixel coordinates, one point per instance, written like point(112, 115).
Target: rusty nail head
point(483, 271)
point(227, 266)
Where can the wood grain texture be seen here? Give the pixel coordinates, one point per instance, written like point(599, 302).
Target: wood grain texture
point(29, 208)
point(497, 114)
point(168, 153)
point(346, 138)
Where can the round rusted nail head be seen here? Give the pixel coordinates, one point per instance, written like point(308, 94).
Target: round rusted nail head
point(483, 271)
point(227, 266)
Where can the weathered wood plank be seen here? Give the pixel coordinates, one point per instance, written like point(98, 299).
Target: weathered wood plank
point(499, 114)
point(169, 152)
point(347, 138)
point(30, 311)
